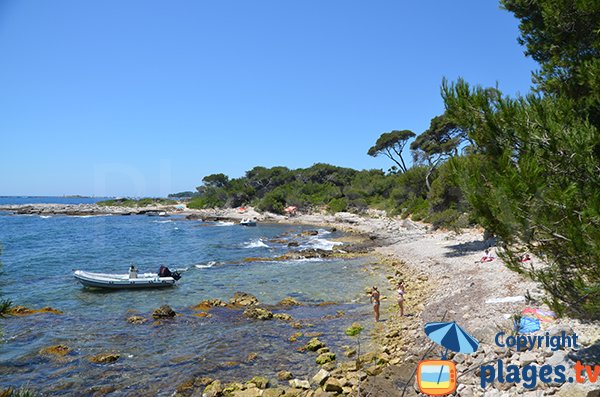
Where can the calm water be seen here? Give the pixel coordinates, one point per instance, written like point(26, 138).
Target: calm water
point(7, 200)
point(39, 254)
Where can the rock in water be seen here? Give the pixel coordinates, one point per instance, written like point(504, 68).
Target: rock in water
point(283, 317)
point(258, 313)
point(104, 358)
point(243, 299)
point(57, 350)
point(137, 320)
point(164, 311)
point(260, 382)
point(284, 375)
point(289, 301)
point(314, 344)
point(325, 358)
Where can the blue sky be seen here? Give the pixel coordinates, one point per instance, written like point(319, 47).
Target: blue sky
point(147, 97)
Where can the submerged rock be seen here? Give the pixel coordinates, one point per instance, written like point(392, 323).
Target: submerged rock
point(209, 304)
point(105, 358)
point(137, 320)
point(164, 311)
point(258, 313)
point(288, 301)
point(243, 299)
point(56, 350)
point(25, 311)
point(284, 375)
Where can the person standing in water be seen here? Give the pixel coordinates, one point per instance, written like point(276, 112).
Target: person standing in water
point(375, 296)
point(401, 291)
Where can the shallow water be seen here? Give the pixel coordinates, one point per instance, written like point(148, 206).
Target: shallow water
point(40, 253)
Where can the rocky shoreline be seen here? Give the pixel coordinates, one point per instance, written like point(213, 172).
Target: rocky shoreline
point(445, 282)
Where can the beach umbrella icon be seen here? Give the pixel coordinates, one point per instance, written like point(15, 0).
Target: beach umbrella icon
point(451, 336)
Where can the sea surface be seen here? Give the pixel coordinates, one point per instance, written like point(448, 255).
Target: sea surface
point(9, 200)
point(39, 254)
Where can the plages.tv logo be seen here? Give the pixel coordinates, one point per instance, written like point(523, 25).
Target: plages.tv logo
point(438, 377)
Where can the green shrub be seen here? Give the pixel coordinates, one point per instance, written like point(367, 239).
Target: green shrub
point(337, 205)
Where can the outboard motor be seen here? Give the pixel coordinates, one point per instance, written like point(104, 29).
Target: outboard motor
point(165, 272)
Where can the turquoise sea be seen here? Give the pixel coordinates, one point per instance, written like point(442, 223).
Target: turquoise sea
point(40, 253)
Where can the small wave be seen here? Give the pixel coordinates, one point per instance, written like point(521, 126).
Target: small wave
point(307, 260)
point(222, 223)
point(162, 221)
point(205, 265)
point(45, 216)
point(258, 243)
point(321, 243)
point(323, 232)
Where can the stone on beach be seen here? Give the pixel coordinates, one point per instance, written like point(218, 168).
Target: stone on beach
point(299, 384)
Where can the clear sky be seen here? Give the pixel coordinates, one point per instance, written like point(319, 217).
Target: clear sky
point(143, 97)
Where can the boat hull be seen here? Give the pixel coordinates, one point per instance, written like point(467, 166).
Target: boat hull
point(106, 281)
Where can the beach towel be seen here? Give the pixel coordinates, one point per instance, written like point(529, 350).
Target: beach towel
point(528, 325)
point(542, 315)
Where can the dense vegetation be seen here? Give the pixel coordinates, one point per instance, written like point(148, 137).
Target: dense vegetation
point(145, 202)
point(336, 189)
point(526, 168)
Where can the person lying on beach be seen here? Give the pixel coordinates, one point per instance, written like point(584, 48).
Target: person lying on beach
point(375, 296)
point(525, 258)
point(401, 290)
point(487, 256)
